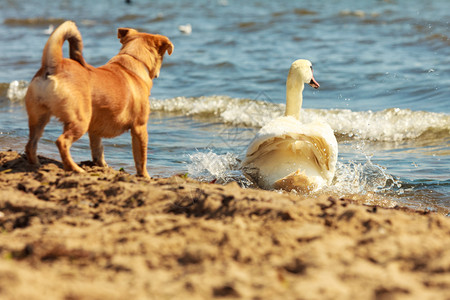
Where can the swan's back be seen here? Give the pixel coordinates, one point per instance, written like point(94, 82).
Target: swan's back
point(291, 156)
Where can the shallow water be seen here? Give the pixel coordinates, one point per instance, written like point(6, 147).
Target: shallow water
point(384, 70)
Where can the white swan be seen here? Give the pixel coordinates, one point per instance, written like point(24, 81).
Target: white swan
point(286, 154)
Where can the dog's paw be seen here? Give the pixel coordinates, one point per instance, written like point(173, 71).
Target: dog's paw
point(102, 164)
point(32, 160)
point(144, 175)
point(35, 164)
point(75, 169)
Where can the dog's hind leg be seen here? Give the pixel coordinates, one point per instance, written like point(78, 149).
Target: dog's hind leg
point(38, 117)
point(139, 138)
point(97, 150)
point(72, 132)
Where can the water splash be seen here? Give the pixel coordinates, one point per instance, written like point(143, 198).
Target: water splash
point(213, 167)
point(363, 178)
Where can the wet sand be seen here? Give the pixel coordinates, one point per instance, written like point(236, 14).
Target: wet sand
point(106, 234)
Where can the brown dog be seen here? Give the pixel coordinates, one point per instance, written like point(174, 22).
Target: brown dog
point(104, 101)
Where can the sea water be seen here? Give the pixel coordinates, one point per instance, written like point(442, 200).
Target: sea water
point(383, 67)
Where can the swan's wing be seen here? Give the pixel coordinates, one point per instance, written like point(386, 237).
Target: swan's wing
point(298, 146)
point(284, 146)
point(287, 132)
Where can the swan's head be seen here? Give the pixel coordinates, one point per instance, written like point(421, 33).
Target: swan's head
point(301, 70)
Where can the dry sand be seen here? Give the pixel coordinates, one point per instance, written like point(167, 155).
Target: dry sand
point(106, 234)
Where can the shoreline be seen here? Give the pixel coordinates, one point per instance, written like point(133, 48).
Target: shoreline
point(107, 234)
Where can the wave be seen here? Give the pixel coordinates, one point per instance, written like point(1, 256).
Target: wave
point(389, 125)
point(13, 92)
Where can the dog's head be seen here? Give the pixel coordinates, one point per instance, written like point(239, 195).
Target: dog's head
point(147, 48)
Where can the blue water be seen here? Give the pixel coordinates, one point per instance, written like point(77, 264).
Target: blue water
point(383, 67)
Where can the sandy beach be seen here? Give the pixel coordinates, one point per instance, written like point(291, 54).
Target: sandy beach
point(106, 234)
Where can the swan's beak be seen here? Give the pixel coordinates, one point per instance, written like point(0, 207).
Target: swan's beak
point(314, 83)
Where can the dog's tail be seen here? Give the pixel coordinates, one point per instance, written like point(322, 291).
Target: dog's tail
point(53, 54)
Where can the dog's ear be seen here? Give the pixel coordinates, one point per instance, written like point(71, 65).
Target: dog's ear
point(165, 45)
point(124, 33)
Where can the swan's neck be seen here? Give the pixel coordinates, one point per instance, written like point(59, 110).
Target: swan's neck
point(294, 97)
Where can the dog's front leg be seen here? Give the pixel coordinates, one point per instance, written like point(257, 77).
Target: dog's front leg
point(139, 139)
point(98, 157)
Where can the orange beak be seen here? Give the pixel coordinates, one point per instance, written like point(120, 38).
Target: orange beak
point(314, 83)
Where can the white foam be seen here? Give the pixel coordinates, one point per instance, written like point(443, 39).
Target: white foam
point(17, 90)
point(389, 125)
point(235, 111)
